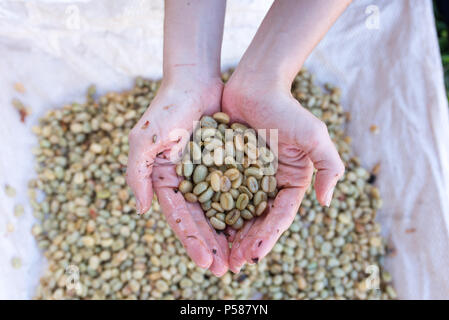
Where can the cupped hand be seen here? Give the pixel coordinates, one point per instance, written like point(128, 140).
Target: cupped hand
point(153, 140)
point(303, 143)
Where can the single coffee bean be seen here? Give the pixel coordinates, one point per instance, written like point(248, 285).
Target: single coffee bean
point(238, 224)
point(200, 188)
point(215, 181)
point(195, 152)
point(242, 201)
point(232, 174)
point(268, 184)
point(265, 155)
point(199, 174)
point(179, 169)
point(238, 143)
point(221, 117)
point(216, 196)
point(235, 193)
point(206, 195)
point(208, 133)
point(259, 196)
point(232, 217)
point(210, 213)
point(225, 184)
point(237, 182)
point(239, 127)
point(252, 184)
point(226, 201)
point(261, 208)
point(245, 190)
point(188, 168)
point(246, 214)
point(253, 171)
point(220, 216)
point(208, 158)
point(208, 122)
point(217, 224)
point(222, 128)
point(251, 208)
point(206, 205)
point(190, 197)
point(217, 206)
point(185, 186)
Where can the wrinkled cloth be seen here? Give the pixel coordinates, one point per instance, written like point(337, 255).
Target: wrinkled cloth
point(385, 58)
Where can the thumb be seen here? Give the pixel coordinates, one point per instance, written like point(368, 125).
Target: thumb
point(327, 161)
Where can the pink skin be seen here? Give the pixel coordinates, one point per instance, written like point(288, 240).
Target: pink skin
point(175, 107)
point(303, 143)
point(257, 94)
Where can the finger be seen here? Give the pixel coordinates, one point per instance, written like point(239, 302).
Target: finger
point(138, 172)
point(327, 161)
point(236, 257)
point(164, 176)
point(183, 224)
point(219, 249)
point(263, 236)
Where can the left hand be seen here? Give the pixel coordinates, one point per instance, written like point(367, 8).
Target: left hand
point(303, 142)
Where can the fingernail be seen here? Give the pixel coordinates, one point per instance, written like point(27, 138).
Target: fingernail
point(329, 195)
point(138, 206)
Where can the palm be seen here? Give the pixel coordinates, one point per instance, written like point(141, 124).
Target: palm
point(155, 139)
point(297, 147)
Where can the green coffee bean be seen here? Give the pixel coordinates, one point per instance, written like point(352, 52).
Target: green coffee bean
point(206, 195)
point(206, 205)
point(200, 173)
point(242, 201)
point(179, 169)
point(217, 206)
point(237, 182)
point(268, 184)
point(216, 197)
point(208, 159)
point(185, 186)
point(220, 216)
point(252, 184)
point(239, 127)
point(215, 182)
point(232, 174)
point(246, 191)
point(217, 224)
point(222, 128)
point(208, 122)
point(259, 197)
point(235, 193)
point(210, 213)
point(246, 214)
point(238, 224)
point(260, 208)
point(232, 217)
point(254, 171)
point(225, 184)
point(251, 208)
point(221, 117)
point(208, 133)
point(226, 201)
point(190, 197)
point(187, 169)
point(200, 188)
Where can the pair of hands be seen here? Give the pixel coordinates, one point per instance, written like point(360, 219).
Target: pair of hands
point(304, 143)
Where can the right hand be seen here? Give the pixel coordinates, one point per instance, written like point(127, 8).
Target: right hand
point(177, 105)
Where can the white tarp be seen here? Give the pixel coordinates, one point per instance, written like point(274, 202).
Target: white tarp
point(383, 54)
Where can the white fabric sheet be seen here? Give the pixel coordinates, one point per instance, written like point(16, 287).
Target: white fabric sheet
point(385, 58)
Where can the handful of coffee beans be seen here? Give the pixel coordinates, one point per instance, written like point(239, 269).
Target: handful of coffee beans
point(229, 170)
